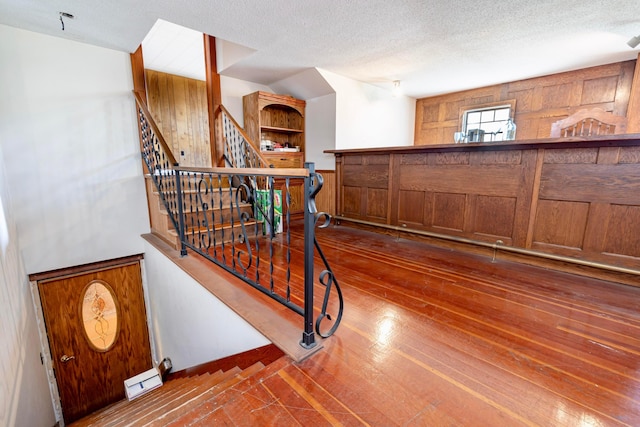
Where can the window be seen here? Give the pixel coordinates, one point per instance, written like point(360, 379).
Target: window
point(485, 123)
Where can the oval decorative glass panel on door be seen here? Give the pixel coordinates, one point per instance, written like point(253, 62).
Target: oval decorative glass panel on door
point(100, 315)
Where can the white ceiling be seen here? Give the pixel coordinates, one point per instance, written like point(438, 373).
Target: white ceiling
point(432, 46)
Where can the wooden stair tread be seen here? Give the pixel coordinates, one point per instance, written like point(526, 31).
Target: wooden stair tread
point(174, 400)
point(212, 404)
point(197, 400)
point(122, 405)
point(159, 399)
point(225, 190)
point(218, 227)
point(169, 408)
point(163, 211)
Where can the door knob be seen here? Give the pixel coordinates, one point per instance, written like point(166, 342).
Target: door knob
point(65, 358)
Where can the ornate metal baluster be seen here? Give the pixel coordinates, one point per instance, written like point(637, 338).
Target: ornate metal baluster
point(326, 277)
point(288, 237)
point(243, 194)
point(183, 247)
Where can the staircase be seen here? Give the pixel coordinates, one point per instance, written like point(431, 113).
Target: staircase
point(182, 401)
point(226, 217)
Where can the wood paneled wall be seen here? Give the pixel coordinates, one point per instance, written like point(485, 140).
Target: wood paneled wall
point(578, 199)
point(539, 101)
point(326, 198)
point(179, 107)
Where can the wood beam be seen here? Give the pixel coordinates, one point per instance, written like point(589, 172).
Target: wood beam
point(137, 70)
point(214, 100)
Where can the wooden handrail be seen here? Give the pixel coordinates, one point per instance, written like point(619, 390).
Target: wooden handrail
point(276, 172)
point(156, 129)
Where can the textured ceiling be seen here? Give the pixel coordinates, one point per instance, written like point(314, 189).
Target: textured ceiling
point(432, 46)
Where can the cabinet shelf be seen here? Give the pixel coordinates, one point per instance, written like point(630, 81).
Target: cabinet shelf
point(279, 118)
point(283, 130)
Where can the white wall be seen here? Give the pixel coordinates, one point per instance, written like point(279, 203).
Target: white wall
point(69, 135)
point(368, 116)
point(232, 92)
point(190, 325)
point(320, 134)
point(24, 390)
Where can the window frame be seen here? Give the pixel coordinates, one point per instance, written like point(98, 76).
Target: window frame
point(496, 105)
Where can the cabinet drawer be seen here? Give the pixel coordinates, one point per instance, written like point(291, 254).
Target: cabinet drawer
point(284, 160)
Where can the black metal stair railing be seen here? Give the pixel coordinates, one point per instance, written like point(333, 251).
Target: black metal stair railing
point(238, 151)
point(159, 161)
point(237, 218)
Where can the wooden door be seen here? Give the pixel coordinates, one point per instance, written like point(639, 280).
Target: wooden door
point(92, 363)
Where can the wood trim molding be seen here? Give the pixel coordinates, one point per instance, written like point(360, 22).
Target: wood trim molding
point(84, 268)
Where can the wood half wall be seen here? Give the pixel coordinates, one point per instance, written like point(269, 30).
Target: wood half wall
point(573, 200)
point(179, 107)
point(538, 102)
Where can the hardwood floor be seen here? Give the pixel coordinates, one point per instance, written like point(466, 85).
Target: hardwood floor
point(434, 337)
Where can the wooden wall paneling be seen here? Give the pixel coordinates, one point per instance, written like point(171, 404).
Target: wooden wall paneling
point(428, 212)
point(409, 205)
point(614, 227)
point(367, 176)
point(494, 217)
point(483, 179)
point(465, 192)
point(326, 198)
point(194, 124)
point(576, 201)
point(561, 224)
point(377, 203)
point(524, 197)
point(200, 119)
point(339, 184)
point(633, 108)
point(623, 91)
point(352, 205)
point(608, 155)
point(178, 105)
point(167, 118)
point(623, 232)
point(598, 91)
point(411, 209)
point(591, 183)
point(365, 187)
point(596, 227)
point(180, 110)
point(556, 95)
point(585, 207)
point(539, 101)
point(393, 196)
point(571, 156)
point(449, 211)
point(629, 155)
point(377, 181)
point(535, 197)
